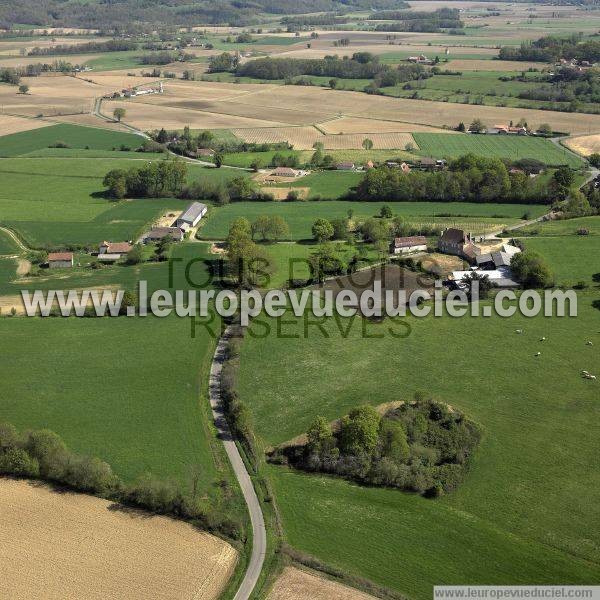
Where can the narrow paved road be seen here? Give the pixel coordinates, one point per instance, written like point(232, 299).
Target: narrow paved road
point(259, 536)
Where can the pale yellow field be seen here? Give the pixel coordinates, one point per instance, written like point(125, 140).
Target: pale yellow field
point(492, 65)
point(69, 546)
point(148, 116)
point(297, 584)
point(585, 145)
point(380, 140)
point(21, 61)
point(10, 124)
point(362, 125)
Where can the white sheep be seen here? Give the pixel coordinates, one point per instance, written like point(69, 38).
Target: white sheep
point(589, 343)
point(519, 331)
point(537, 353)
point(543, 339)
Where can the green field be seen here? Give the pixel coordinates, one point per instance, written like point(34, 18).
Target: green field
point(328, 185)
point(7, 244)
point(54, 202)
point(572, 258)
point(508, 522)
point(443, 145)
point(564, 227)
point(75, 136)
point(104, 386)
point(301, 215)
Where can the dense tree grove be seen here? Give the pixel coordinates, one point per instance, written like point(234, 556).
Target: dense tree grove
point(126, 14)
point(421, 446)
point(419, 21)
point(42, 454)
point(469, 178)
point(107, 46)
point(552, 48)
point(153, 180)
point(362, 65)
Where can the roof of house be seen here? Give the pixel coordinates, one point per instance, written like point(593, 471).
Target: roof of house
point(116, 248)
point(427, 161)
point(501, 259)
point(346, 165)
point(406, 242)
point(193, 211)
point(108, 257)
point(470, 251)
point(484, 258)
point(59, 256)
point(454, 235)
point(157, 233)
point(285, 172)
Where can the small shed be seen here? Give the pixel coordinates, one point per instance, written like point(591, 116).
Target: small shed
point(60, 260)
point(192, 215)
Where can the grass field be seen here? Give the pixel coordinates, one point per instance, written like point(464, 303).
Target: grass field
point(301, 215)
point(75, 136)
point(7, 244)
point(452, 146)
point(53, 201)
point(104, 386)
point(565, 227)
point(506, 523)
point(573, 258)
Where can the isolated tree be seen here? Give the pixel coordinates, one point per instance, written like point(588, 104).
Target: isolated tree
point(333, 83)
point(461, 127)
point(23, 88)
point(544, 129)
point(119, 113)
point(322, 230)
point(564, 177)
point(162, 137)
point(385, 212)
point(409, 147)
point(116, 182)
point(367, 144)
point(135, 255)
point(340, 228)
point(477, 126)
point(256, 164)
point(218, 158)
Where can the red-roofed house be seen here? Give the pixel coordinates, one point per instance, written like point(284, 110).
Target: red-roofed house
point(404, 245)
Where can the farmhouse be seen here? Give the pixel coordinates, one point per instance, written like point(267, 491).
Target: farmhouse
point(118, 248)
point(345, 166)
point(158, 233)
point(285, 172)
point(404, 245)
point(507, 130)
point(60, 260)
point(192, 215)
point(459, 243)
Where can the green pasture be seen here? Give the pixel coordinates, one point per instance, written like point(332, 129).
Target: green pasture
point(300, 216)
point(500, 146)
point(564, 227)
point(508, 522)
point(75, 136)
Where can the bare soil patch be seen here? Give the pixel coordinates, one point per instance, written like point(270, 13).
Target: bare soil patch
point(10, 124)
point(281, 193)
point(66, 546)
point(584, 145)
point(298, 584)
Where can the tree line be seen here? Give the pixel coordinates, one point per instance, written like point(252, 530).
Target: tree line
point(42, 454)
point(469, 178)
point(107, 46)
point(552, 48)
point(421, 446)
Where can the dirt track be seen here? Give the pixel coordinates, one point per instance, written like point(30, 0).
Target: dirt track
point(66, 546)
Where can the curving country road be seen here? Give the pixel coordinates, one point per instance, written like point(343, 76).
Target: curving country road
point(259, 536)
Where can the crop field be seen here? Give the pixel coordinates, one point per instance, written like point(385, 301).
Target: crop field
point(73, 135)
point(348, 125)
point(10, 124)
point(251, 106)
point(473, 535)
point(301, 138)
point(301, 215)
point(585, 145)
point(98, 552)
point(511, 147)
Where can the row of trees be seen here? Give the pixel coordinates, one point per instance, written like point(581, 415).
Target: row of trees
point(421, 446)
point(42, 454)
point(468, 178)
point(553, 48)
point(96, 46)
